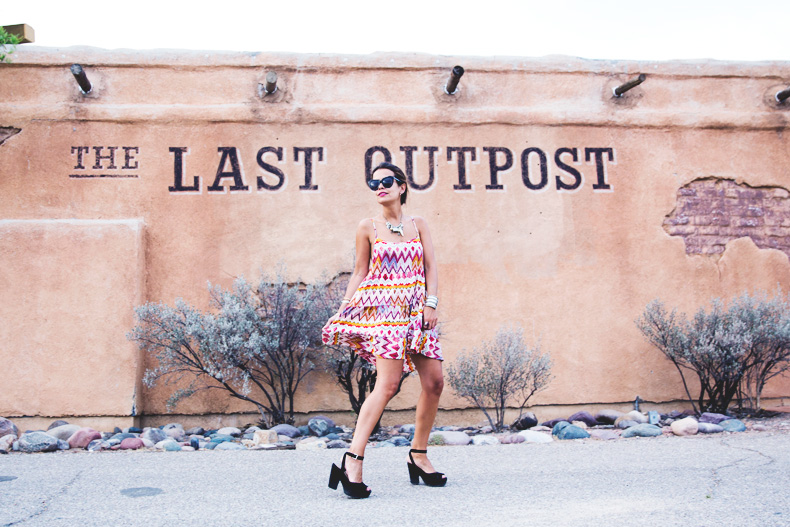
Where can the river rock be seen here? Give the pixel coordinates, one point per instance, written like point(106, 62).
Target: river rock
point(221, 438)
point(337, 443)
point(688, 426)
point(169, 445)
point(551, 424)
point(525, 421)
point(37, 442)
point(580, 424)
point(63, 445)
point(97, 445)
point(406, 429)
point(450, 437)
point(8, 428)
point(311, 443)
point(531, 436)
point(287, 430)
point(265, 437)
point(398, 441)
point(63, 432)
point(633, 415)
point(559, 426)
point(82, 437)
point(733, 425)
point(57, 423)
point(511, 439)
point(195, 431)
point(584, 417)
point(714, 418)
point(320, 425)
point(572, 432)
point(229, 431)
point(481, 440)
point(623, 424)
point(642, 430)
point(709, 428)
point(120, 437)
point(174, 430)
point(608, 416)
point(6, 442)
point(131, 443)
point(154, 435)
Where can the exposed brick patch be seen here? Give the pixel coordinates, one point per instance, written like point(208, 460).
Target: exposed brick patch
point(6, 132)
point(711, 212)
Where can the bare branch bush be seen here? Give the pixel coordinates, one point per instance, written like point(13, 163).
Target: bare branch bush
point(499, 372)
point(258, 344)
point(731, 350)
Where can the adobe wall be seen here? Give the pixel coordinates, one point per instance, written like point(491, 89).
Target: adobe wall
point(552, 205)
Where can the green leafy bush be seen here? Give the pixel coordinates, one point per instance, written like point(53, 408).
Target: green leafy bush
point(499, 372)
point(8, 44)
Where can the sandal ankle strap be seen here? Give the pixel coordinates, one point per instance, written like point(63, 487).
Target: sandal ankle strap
point(354, 456)
point(416, 451)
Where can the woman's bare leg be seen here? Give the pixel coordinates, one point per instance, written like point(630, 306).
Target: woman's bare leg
point(388, 372)
point(432, 384)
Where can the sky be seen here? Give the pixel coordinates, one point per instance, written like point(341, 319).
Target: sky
point(742, 30)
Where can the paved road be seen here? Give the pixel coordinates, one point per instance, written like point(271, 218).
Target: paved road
point(738, 480)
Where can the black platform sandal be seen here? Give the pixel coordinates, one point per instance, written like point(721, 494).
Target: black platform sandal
point(339, 475)
point(434, 479)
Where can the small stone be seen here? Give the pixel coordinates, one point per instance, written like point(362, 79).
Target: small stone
point(304, 430)
point(113, 442)
point(133, 430)
point(6, 442)
point(450, 437)
point(709, 428)
point(553, 423)
point(540, 428)
point(625, 423)
point(398, 441)
point(710, 417)
point(194, 443)
point(557, 428)
point(185, 448)
point(525, 421)
point(531, 436)
point(384, 444)
point(154, 435)
point(572, 432)
point(759, 428)
point(406, 429)
point(210, 445)
point(733, 425)
point(174, 430)
point(633, 415)
point(287, 430)
point(229, 431)
point(332, 436)
point(580, 424)
point(642, 430)
point(511, 439)
point(131, 443)
point(63, 445)
point(227, 445)
point(82, 437)
point(584, 417)
point(688, 426)
point(253, 429)
point(653, 417)
point(195, 431)
point(481, 440)
point(486, 429)
point(55, 424)
point(220, 438)
point(608, 416)
point(8, 428)
point(117, 430)
point(320, 425)
point(604, 435)
point(97, 445)
point(311, 443)
point(147, 443)
point(63, 432)
point(169, 445)
point(120, 437)
point(265, 437)
point(337, 443)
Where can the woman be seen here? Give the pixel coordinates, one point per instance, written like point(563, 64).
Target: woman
point(388, 316)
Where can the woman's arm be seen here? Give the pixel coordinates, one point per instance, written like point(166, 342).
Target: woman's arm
point(361, 261)
point(431, 274)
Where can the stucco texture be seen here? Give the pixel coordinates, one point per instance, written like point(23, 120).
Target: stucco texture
point(573, 261)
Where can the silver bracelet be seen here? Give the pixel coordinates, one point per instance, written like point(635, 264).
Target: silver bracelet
point(432, 301)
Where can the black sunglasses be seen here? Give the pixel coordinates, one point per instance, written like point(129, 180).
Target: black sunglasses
point(386, 181)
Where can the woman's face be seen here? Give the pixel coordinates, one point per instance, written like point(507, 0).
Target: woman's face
point(387, 195)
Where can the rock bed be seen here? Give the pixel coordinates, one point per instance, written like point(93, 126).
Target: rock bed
point(321, 432)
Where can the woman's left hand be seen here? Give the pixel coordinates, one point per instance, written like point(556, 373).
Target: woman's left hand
point(429, 318)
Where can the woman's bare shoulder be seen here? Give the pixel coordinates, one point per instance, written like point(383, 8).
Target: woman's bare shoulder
point(365, 226)
point(421, 222)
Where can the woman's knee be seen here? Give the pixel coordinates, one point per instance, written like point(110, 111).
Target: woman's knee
point(387, 389)
point(434, 386)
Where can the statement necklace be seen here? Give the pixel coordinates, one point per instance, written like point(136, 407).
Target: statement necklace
point(397, 229)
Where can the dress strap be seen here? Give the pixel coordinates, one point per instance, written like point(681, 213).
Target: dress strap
point(415, 227)
point(375, 232)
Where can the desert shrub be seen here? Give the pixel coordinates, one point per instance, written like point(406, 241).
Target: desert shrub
point(499, 372)
point(8, 44)
point(729, 349)
point(256, 343)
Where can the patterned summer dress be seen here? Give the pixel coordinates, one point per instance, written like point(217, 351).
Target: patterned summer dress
point(384, 317)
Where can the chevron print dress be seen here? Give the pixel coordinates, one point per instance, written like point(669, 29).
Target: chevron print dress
point(384, 317)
